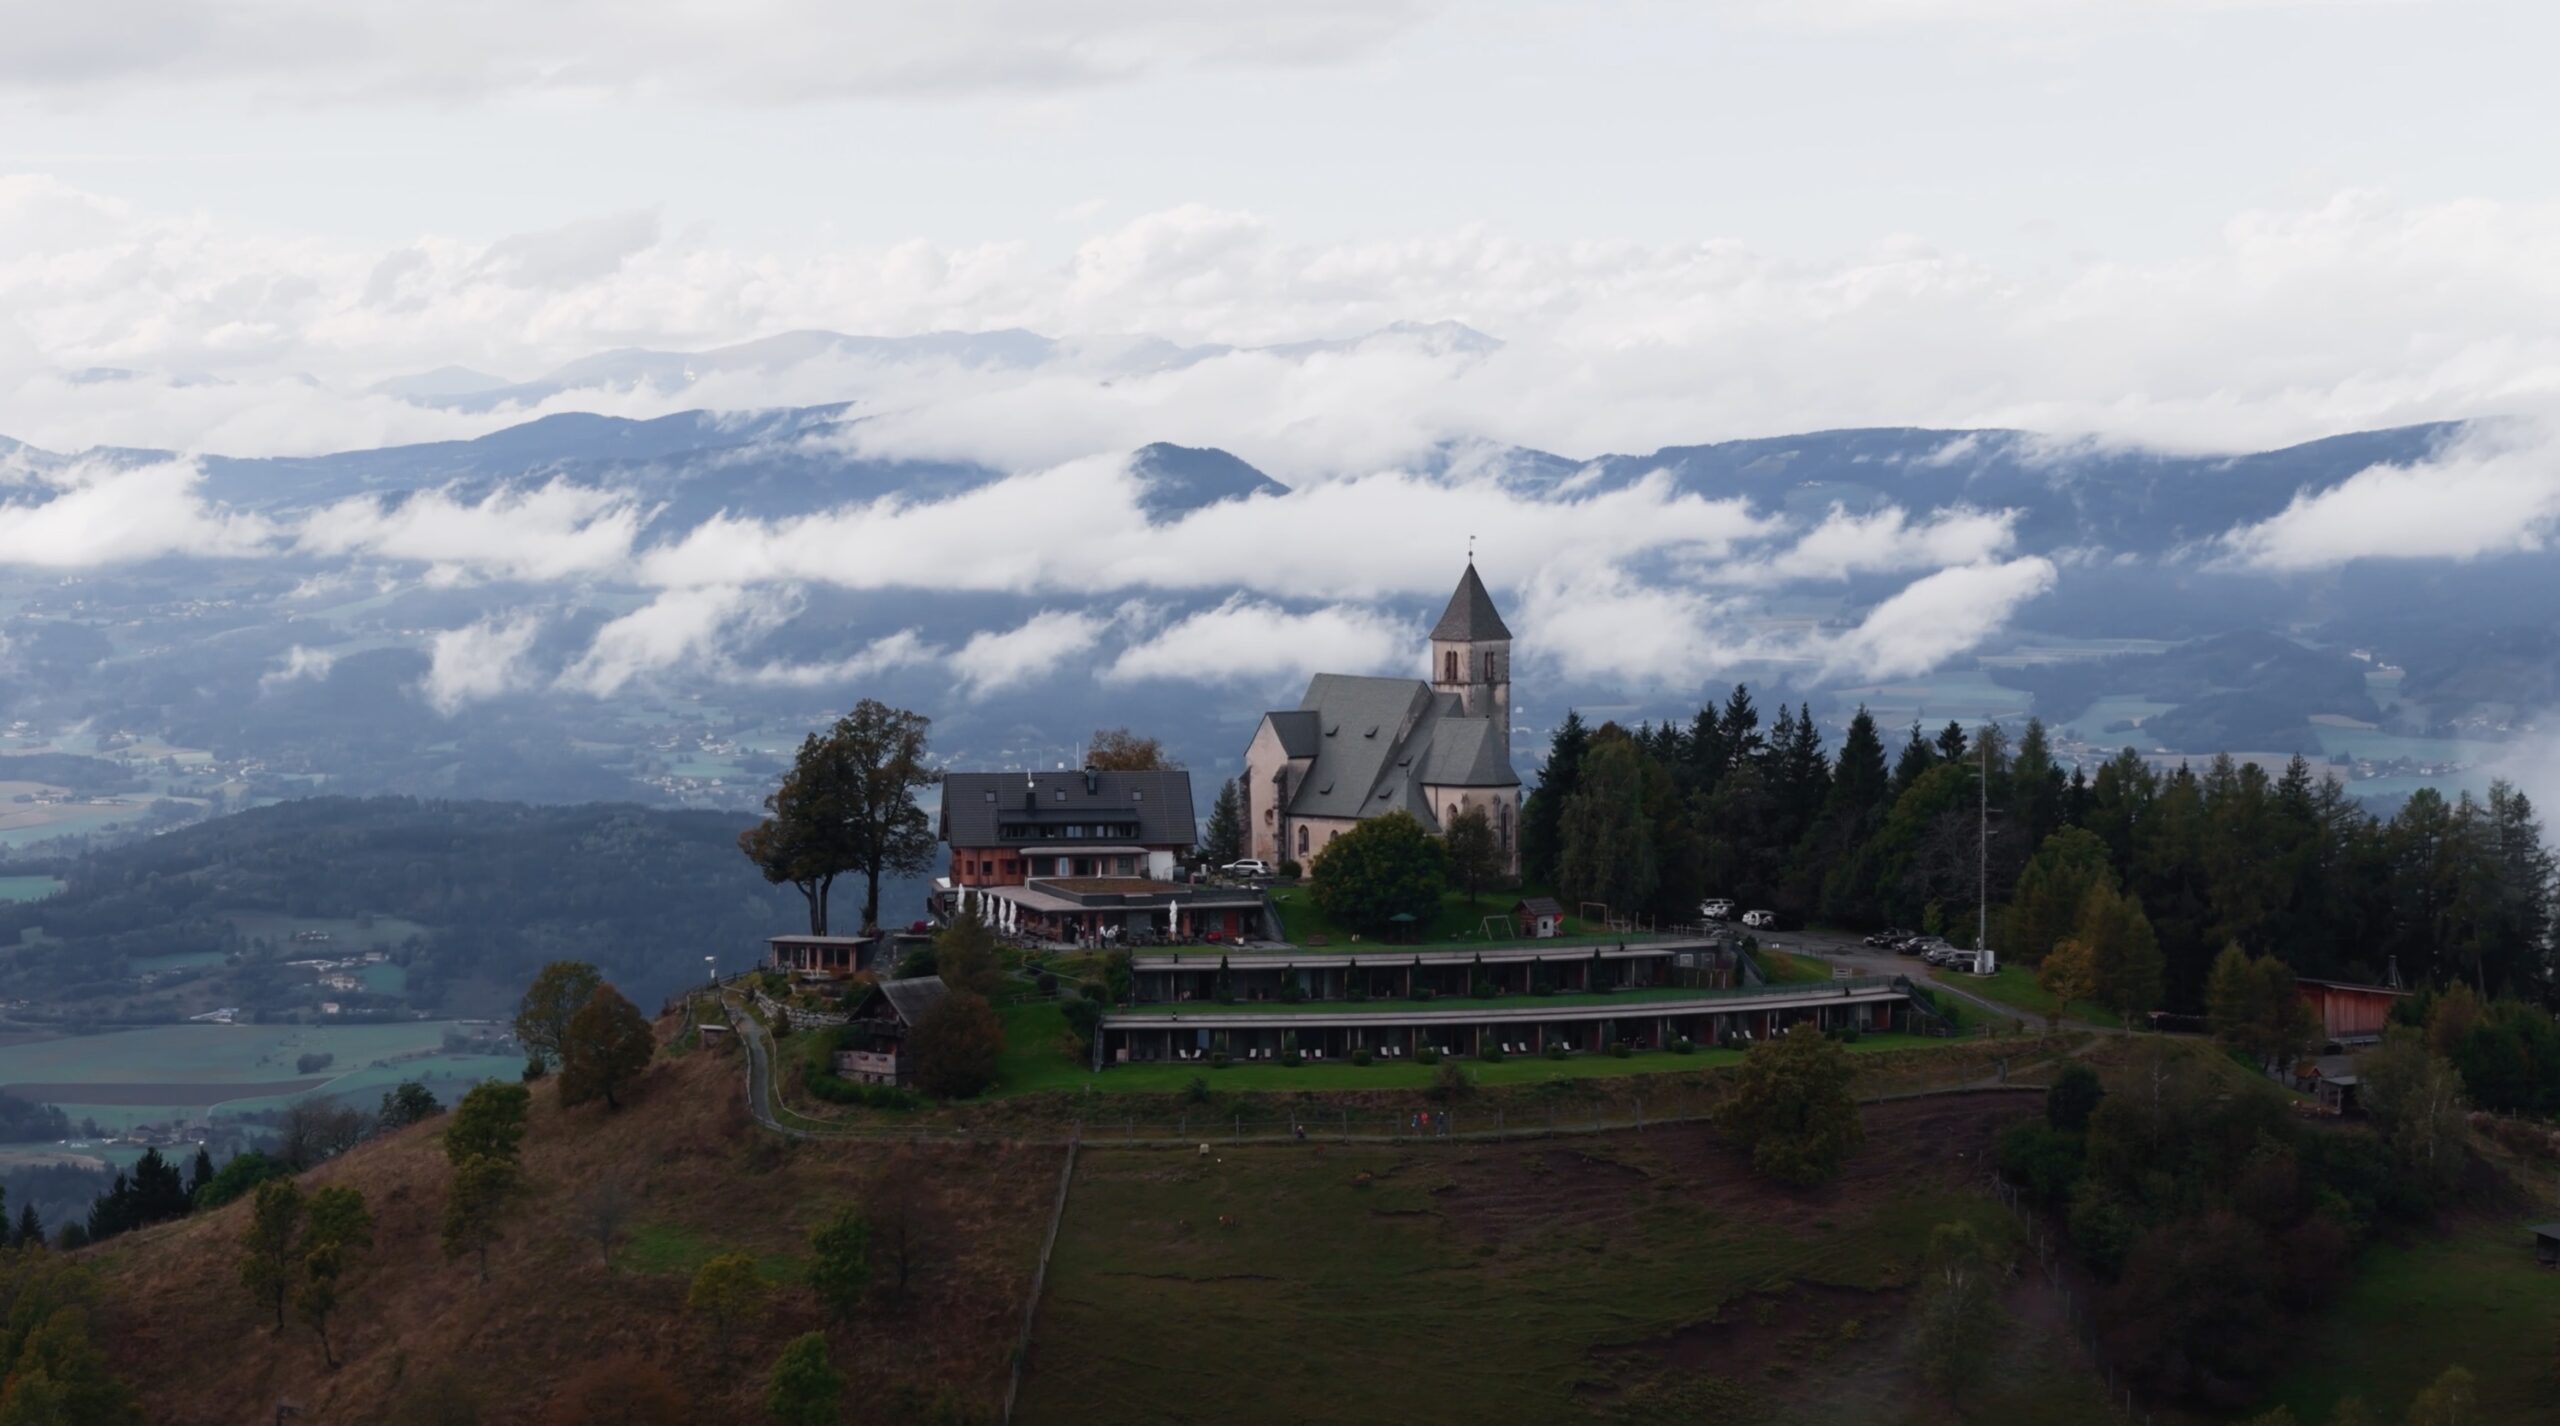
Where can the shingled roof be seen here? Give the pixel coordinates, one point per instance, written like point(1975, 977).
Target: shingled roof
point(976, 805)
point(1470, 617)
point(913, 998)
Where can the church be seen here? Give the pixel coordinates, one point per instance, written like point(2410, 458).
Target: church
point(1358, 747)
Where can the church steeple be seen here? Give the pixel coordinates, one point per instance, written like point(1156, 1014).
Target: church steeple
point(1471, 654)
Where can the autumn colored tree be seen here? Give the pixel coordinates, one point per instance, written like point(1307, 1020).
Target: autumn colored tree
point(1121, 750)
point(727, 1292)
point(2069, 974)
point(607, 1046)
point(964, 955)
point(956, 1046)
point(2124, 953)
point(1959, 1308)
point(1791, 1110)
point(557, 994)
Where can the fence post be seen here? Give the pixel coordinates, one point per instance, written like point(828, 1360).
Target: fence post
point(1239, 1128)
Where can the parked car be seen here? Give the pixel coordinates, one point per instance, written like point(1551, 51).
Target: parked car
point(1249, 866)
point(1760, 920)
point(1886, 940)
point(1717, 909)
point(1941, 954)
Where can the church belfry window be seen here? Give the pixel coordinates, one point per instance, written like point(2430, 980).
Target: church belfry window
point(1450, 660)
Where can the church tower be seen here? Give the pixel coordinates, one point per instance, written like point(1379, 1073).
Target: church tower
point(1471, 655)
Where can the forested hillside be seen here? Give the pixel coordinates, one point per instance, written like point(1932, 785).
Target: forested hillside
point(491, 889)
point(2195, 858)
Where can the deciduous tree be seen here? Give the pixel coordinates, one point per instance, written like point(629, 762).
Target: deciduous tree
point(604, 1206)
point(267, 1243)
point(727, 1292)
point(964, 955)
point(1379, 869)
point(848, 806)
point(488, 1123)
point(1958, 1309)
point(557, 994)
point(608, 1046)
point(1474, 854)
point(477, 1203)
point(840, 1264)
point(806, 1390)
point(336, 1231)
point(409, 1103)
point(1791, 1110)
point(2069, 974)
point(1121, 750)
point(956, 1046)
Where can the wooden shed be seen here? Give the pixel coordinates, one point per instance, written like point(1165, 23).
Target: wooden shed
point(2350, 1014)
point(883, 1021)
point(1539, 916)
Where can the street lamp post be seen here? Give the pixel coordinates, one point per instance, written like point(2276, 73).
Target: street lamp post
point(711, 970)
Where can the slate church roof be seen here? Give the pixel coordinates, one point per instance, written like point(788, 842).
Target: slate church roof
point(1376, 742)
point(1470, 616)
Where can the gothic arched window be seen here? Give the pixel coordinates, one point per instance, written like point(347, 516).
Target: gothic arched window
point(1504, 811)
point(1451, 663)
point(1302, 839)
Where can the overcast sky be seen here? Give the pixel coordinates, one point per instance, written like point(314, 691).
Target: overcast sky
point(2204, 224)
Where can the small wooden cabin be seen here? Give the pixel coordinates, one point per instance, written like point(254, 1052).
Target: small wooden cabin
point(884, 1019)
point(2350, 1014)
point(824, 957)
point(1539, 916)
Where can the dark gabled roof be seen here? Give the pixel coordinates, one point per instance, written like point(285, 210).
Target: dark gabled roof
point(910, 999)
point(1468, 752)
point(1161, 801)
point(1470, 616)
point(1542, 906)
point(1299, 730)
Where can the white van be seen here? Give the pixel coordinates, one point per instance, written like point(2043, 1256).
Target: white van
point(1716, 910)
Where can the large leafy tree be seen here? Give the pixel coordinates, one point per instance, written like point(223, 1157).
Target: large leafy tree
point(1122, 750)
point(840, 1264)
point(806, 1390)
point(1379, 869)
point(2051, 892)
point(2124, 956)
point(608, 1046)
point(848, 807)
point(557, 994)
point(1474, 854)
point(956, 1046)
point(1791, 1110)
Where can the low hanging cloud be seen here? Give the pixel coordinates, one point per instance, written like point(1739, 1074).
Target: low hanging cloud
point(298, 664)
point(1888, 541)
point(1245, 639)
point(1040, 646)
point(93, 513)
point(2494, 491)
point(553, 531)
point(680, 628)
point(901, 649)
point(1932, 619)
point(479, 662)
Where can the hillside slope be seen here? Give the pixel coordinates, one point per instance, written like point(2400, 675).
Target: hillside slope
point(418, 1329)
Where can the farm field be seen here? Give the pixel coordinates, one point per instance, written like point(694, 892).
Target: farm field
point(1608, 1278)
point(2471, 1297)
point(140, 1076)
point(28, 888)
point(345, 933)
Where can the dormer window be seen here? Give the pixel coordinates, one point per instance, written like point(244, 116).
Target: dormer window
point(991, 795)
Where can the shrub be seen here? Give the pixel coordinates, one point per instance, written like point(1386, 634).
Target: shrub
point(1556, 1051)
point(1292, 1060)
point(1219, 1060)
point(1197, 1091)
point(1849, 1033)
point(1424, 992)
point(1451, 1083)
point(1491, 1054)
point(1291, 992)
point(1620, 1050)
point(1048, 983)
point(1360, 1057)
point(1289, 869)
point(1481, 987)
point(1428, 1054)
point(1684, 1046)
point(835, 1089)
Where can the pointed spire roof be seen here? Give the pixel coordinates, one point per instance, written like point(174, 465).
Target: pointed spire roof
point(1470, 617)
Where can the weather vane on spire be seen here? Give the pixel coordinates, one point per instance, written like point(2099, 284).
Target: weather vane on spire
point(1471, 549)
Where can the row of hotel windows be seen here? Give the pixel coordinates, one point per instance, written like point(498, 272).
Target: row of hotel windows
point(1048, 866)
point(1071, 832)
